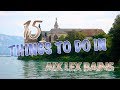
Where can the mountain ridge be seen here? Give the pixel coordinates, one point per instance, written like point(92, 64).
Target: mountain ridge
point(8, 40)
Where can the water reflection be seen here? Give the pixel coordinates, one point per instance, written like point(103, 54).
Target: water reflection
point(11, 68)
point(35, 70)
point(117, 72)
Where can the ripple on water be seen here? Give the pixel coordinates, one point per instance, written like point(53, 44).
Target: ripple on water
point(10, 67)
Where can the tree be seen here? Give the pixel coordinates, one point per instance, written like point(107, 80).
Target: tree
point(61, 38)
point(100, 35)
point(101, 55)
point(115, 34)
point(75, 35)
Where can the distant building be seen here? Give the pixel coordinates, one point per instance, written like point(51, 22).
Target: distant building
point(56, 32)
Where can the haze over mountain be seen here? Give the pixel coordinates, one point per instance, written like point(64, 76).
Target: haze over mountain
point(6, 41)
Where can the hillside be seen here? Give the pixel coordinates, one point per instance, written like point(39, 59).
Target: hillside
point(6, 41)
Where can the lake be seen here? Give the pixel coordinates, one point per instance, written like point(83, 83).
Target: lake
point(11, 68)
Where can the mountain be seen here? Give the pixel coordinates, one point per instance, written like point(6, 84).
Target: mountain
point(6, 41)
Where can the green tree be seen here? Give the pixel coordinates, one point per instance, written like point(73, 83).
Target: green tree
point(74, 35)
point(101, 55)
point(61, 38)
point(101, 35)
point(115, 34)
point(104, 35)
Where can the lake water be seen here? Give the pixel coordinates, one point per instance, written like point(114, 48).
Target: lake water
point(11, 68)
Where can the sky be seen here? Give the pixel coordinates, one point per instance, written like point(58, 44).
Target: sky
point(11, 22)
